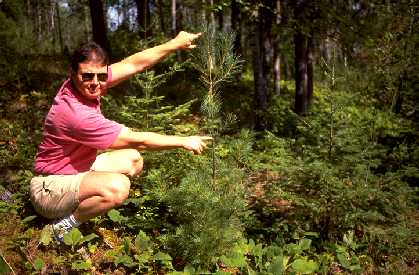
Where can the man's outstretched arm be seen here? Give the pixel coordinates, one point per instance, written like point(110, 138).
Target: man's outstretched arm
point(153, 141)
point(147, 58)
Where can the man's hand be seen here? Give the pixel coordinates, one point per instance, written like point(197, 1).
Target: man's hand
point(184, 40)
point(196, 144)
point(142, 60)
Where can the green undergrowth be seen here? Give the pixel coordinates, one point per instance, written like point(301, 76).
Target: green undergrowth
point(332, 192)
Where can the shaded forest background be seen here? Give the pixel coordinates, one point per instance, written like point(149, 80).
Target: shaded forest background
point(314, 168)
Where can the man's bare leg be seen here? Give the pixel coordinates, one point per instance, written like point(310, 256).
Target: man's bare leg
point(125, 161)
point(102, 189)
point(108, 186)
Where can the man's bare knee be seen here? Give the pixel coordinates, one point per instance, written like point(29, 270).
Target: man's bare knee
point(137, 165)
point(136, 162)
point(117, 189)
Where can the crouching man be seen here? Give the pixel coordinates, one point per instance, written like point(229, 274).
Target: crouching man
point(73, 184)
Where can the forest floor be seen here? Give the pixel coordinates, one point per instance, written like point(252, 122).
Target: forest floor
point(20, 245)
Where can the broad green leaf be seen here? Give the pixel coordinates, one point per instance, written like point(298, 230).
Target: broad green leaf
point(251, 243)
point(125, 260)
point(142, 258)
point(46, 237)
point(303, 266)
point(234, 260)
point(73, 237)
point(38, 264)
point(343, 260)
point(142, 241)
point(88, 238)
point(348, 239)
point(257, 250)
point(160, 256)
point(311, 234)
point(116, 216)
point(285, 261)
point(355, 268)
point(82, 265)
point(29, 218)
point(92, 248)
point(304, 244)
point(276, 267)
point(189, 270)
point(340, 249)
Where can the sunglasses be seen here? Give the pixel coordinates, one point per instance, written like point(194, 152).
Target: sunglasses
point(102, 77)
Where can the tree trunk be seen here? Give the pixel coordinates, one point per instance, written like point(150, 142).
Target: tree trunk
point(212, 13)
point(287, 67)
point(173, 28)
point(125, 18)
point(262, 63)
point(276, 52)
point(303, 58)
point(220, 17)
point(52, 26)
point(160, 6)
point(87, 31)
point(260, 85)
point(39, 21)
point(60, 35)
point(235, 26)
point(143, 17)
point(301, 105)
point(277, 70)
point(203, 13)
point(99, 24)
point(310, 68)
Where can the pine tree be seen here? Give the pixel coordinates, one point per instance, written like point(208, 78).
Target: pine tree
point(209, 202)
point(216, 62)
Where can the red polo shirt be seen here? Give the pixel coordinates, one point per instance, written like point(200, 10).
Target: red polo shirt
point(74, 130)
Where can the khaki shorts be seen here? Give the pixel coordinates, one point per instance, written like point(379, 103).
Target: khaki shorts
point(55, 196)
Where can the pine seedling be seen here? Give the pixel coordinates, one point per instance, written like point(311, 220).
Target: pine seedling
point(216, 62)
point(329, 71)
point(148, 81)
point(148, 112)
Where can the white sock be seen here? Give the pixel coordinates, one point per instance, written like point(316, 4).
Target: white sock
point(67, 223)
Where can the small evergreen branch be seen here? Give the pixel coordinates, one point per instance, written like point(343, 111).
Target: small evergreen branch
point(215, 61)
point(149, 81)
point(330, 73)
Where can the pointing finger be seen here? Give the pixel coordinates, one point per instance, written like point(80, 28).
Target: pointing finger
point(197, 35)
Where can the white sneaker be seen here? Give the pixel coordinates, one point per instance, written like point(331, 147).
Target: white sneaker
point(58, 232)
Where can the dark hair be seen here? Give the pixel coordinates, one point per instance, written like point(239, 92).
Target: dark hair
point(90, 51)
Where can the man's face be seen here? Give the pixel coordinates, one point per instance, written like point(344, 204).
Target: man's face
point(90, 79)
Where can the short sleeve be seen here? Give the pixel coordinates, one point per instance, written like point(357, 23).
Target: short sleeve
point(96, 131)
point(109, 80)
